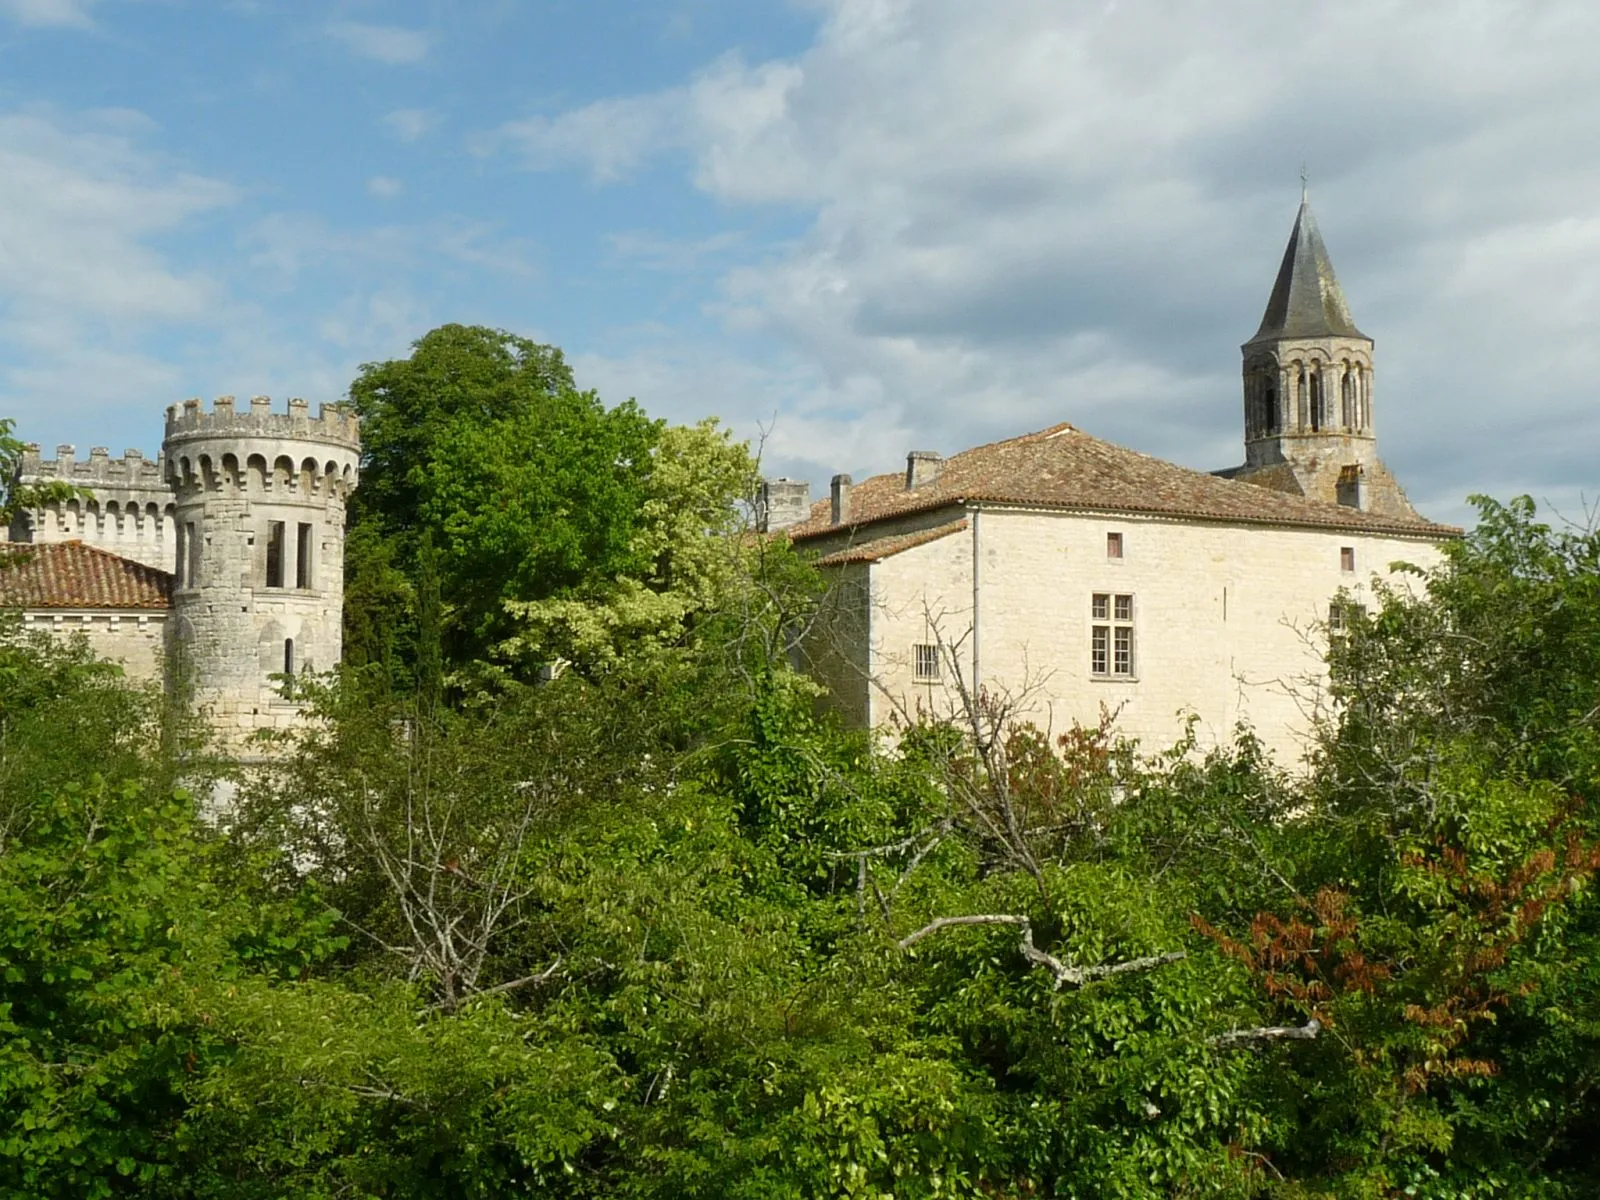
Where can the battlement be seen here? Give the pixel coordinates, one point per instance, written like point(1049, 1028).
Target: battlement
point(132, 472)
point(333, 422)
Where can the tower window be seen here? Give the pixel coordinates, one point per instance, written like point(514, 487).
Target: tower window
point(1114, 545)
point(1111, 637)
point(192, 578)
point(274, 554)
point(925, 668)
point(288, 656)
point(302, 557)
point(1271, 422)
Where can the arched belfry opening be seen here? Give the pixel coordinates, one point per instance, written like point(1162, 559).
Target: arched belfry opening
point(1308, 386)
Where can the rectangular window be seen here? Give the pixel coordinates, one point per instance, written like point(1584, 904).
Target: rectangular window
point(302, 557)
point(926, 666)
point(1347, 558)
point(1111, 643)
point(192, 578)
point(274, 554)
point(1113, 545)
point(1340, 612)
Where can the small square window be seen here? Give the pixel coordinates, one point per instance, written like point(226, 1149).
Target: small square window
point(1113, 545)
point(1347, 558)
point(925, 667)
point(1101, 606)
point(1124, 608)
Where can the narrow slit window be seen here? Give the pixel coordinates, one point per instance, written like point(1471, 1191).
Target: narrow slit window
point(288, 656)
point(1114, 545)
point(192, 579)
point(274, 554)
point(926, 664)
point(302, 557)
point(1347, 558)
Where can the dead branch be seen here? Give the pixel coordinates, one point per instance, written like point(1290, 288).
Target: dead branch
point(1066, 974)
point(1235, 1038)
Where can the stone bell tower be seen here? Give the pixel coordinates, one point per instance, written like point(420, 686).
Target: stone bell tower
point(1308, 395)
point(259, 582)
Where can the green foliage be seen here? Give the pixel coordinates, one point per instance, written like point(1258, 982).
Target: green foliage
point(16, 496)
point(653, 928)
point(526, 487)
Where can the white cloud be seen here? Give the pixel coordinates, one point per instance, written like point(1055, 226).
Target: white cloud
point(86, 291)
point(610, 137)
point(411, 124)
point(384, 187)
point(64, 14)
point(391, 44)
point(79, 204)
point(1076, 212)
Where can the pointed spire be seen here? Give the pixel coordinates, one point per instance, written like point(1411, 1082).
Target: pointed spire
point(1306, 301)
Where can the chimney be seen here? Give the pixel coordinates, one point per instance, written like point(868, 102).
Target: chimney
point(782, 503)
point(840, 488)
point(922, 469)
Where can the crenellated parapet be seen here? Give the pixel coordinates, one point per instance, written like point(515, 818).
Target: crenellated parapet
point(333, 423)
point(132, 472)
point(288, 456)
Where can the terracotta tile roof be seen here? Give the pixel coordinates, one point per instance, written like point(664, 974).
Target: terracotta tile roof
point(882, 548)
point(72, 575)
point(1063, 467)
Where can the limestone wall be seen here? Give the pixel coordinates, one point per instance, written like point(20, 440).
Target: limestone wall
point(130, 512)
point(136, 640)
point(1226, 618)
point(260, 514)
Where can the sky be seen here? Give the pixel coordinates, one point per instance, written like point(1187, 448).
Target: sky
point(847, 228)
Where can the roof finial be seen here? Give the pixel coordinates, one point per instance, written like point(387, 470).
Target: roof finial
point(1303, 180)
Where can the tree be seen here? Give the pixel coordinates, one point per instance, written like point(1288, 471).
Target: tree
point(528, 488)
point(18, 496)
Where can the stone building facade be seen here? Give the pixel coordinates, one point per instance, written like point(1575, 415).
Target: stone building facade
point(235, 537)
point(1076, 576)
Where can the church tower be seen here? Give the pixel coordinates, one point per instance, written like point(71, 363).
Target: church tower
point(1308, 412)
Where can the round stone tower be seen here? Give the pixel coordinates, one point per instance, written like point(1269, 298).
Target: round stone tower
point(259, 589)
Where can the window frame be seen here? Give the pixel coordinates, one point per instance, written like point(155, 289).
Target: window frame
point(927, 665)
point(1113, 640)
point(273, 576)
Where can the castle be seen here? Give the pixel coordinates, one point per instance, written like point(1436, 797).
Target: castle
point(1070, 574)
point(223, 558)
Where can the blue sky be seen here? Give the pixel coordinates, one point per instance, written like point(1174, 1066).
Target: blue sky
point(860, 226)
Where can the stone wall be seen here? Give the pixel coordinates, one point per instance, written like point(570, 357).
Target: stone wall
point(1229, 620)
point(260, 514)
point(137, 640)
point(130, 512)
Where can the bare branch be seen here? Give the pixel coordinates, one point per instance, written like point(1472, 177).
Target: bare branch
point(1235, 1038)
point(534, 980)
point(911, 940)
point(1066, 975)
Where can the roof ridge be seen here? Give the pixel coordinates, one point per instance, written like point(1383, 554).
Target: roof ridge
point(91, 548)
